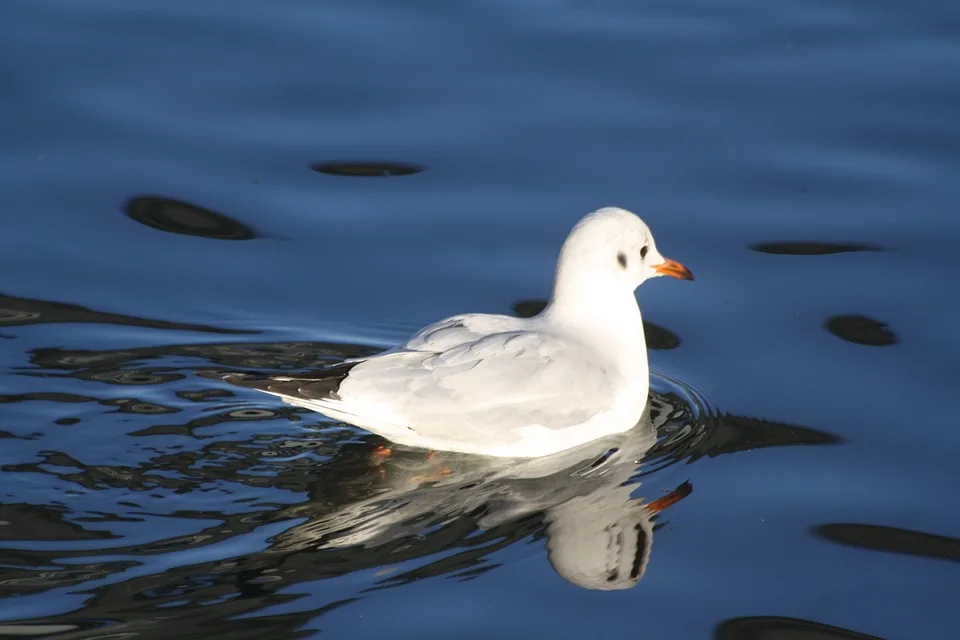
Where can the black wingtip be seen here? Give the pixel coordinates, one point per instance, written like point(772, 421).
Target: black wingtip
point(322, 383)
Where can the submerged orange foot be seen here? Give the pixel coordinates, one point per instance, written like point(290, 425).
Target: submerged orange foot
point(379, 456)
point(433, 477)
point(439, 470)
point(381, 453)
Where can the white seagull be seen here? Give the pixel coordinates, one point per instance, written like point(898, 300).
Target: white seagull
point(510, 387)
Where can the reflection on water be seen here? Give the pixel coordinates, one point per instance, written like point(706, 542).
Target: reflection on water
point(861, 330)
point(891, 540)
point(597, 535)
point(366, 169)
point(775, 628)
point(812, 248)
point(23, 311)
point(123, 513)
point(176, 216)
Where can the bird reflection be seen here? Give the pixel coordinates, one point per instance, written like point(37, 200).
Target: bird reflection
point(597, 535)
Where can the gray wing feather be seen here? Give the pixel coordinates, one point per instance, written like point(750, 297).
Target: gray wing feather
point(462, 329)
point(505, 380)
point(473, 378)
point(322, 384)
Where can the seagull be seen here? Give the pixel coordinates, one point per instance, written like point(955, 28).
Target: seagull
point(501, 386)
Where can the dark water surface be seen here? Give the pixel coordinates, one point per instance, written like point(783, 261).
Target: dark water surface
point(273, 185)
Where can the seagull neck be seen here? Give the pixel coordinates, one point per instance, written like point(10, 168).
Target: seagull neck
point(607, 321)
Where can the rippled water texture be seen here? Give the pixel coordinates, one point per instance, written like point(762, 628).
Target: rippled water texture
point(273, 186)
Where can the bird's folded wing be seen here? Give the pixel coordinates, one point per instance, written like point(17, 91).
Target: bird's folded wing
point(461, 329)
point(498, 383)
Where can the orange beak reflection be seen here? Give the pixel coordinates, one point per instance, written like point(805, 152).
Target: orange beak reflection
point(673, 269)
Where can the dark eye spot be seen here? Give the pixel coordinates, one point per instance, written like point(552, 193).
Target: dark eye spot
point(643, 252)
point(622, 259)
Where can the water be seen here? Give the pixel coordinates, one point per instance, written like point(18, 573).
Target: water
point(273, 185)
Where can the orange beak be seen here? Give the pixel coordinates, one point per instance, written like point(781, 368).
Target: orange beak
point(673, 269)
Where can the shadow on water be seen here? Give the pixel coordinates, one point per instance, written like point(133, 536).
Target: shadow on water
point(160, 497)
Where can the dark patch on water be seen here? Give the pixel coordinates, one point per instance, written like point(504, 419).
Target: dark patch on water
point(659, 338)
point(777, 627)
point(861, 330)
point(367, 169)
point(891, 540)
point(529, 308)
point(812, 248)
point(177, 216)
point(24, 311)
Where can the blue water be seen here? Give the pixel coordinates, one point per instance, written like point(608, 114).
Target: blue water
point(274, 185)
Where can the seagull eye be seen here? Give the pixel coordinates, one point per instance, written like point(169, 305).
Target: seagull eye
point(622, 259)
point(643, 252)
